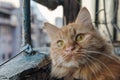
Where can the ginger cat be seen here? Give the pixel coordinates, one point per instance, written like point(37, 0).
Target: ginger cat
point(78, 51)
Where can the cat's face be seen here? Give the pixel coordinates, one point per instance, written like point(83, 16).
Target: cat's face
point(71, 44)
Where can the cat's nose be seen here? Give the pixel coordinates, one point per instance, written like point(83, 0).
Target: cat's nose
point(69, 49)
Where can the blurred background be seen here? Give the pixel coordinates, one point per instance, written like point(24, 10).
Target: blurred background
point(104, 13)
point(11, 22)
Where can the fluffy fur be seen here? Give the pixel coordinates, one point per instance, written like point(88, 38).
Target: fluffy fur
point(90, 59)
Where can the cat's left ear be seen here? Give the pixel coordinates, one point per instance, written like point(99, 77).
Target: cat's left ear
point(50, 29)
point(83, 17)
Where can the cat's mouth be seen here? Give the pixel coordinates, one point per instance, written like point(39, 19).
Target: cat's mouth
point(74, 59)
point(70, 55)
point(74, 54)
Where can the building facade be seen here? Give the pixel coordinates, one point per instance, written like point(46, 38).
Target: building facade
point(7, 30)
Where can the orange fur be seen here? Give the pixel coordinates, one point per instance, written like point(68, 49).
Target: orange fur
point(91, 58)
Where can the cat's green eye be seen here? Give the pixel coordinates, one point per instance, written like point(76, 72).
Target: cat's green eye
point(60, 43)
point(79, 37)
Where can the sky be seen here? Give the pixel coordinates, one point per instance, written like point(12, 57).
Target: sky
point(50, 15)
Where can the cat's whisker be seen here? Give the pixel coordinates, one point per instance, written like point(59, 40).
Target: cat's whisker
point(95, 52)
point(88, 65)
point(59, 60)
point(102, 64)
point(91, 68)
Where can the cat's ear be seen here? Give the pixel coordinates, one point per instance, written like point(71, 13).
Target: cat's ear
point(50, 29)
point(83, 17)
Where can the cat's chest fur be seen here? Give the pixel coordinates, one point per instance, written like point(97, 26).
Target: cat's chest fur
point(72, 73)
point(98, 72)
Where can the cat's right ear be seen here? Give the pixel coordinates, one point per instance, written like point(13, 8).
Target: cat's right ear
point(50, 29)
point(83, 17)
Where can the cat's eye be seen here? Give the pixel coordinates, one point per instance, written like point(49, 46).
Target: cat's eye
point(60, 43)
point(79, 37)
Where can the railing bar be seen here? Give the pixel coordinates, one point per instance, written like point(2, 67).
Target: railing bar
point(26, 26)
